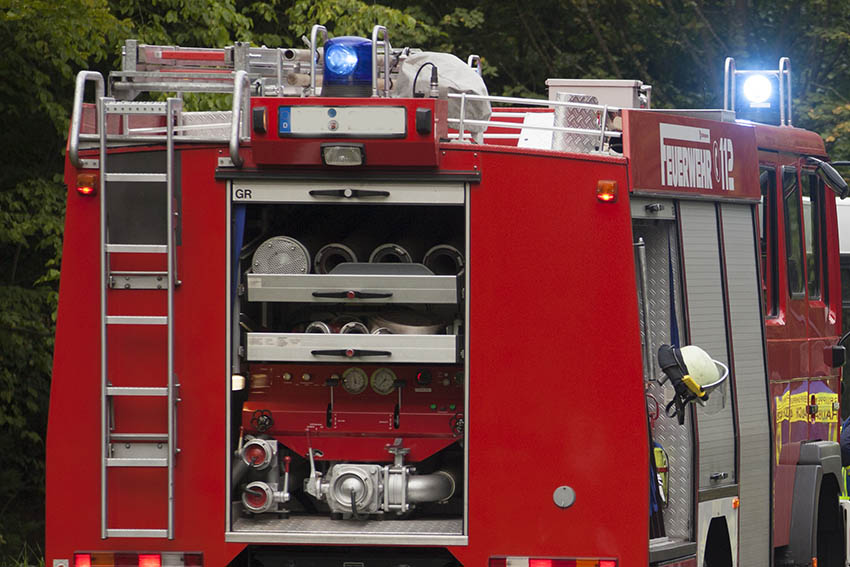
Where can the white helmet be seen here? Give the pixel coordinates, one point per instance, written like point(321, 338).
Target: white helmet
point(699, 365)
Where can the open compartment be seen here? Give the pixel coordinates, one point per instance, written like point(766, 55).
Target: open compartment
point(348, 335)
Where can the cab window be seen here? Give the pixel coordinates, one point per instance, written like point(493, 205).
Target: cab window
point(814, 226)
point(767, 226)
point(793, 233)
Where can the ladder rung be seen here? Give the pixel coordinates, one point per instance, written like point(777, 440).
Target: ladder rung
point(135, 462)
point(137, 533)
point(140, 107)
point(138, 248)
point(138, 280)
point(138, 437)
point(137, 177)
point(135, 391)
point(136, 320)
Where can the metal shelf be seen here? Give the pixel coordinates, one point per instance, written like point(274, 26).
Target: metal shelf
point(309, 347)
point(365, 289)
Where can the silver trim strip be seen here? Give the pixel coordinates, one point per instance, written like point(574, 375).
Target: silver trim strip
point(299, 347)
point(137, 248)
point(354, 538)
point(134, 391)
point(113, 462)
point(139, 437)
point(136, 177)
point(300, 288)
point(135, 320)
point(136, 533)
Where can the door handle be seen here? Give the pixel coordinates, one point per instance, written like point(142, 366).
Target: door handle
point(348, 193)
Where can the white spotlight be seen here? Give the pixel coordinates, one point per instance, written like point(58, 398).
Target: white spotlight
point(757, 89)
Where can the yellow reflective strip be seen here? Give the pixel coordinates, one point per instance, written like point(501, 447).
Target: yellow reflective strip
point(825, 400)
point(798, 407)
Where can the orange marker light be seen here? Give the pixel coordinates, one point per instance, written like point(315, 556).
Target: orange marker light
point(736, 503)
point(606, 191)
point(87, 184)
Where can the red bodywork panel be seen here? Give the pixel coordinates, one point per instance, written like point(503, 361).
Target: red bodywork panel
point(545, 322)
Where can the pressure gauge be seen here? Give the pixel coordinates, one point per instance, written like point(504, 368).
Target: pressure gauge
point(354, 380)
point(383, 381)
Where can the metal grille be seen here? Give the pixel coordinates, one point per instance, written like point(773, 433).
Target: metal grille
point(206, 124)
point(281, 255)
point(568, 117)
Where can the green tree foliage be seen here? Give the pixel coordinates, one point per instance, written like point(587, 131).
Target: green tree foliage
point(678, 46)
point(45, 44)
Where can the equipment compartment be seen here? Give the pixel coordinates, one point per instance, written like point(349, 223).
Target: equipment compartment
point(350, 343)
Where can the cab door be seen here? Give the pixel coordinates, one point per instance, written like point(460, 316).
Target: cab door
point(822, 321)
point(795, 315)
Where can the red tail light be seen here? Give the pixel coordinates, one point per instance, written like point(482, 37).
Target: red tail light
point(551, 562)
point(150, 561)
point(136, 559)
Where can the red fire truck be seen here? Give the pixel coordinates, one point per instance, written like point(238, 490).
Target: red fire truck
point(372, 316)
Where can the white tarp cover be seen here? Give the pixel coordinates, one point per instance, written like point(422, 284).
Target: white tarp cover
point(454, 75)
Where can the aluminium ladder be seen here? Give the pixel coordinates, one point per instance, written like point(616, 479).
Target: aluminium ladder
point(137, 449)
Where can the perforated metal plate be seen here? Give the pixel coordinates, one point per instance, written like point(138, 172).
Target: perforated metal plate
point(662, 257)
point(314, 525)
point(566, 117)
point(213, 124)
point(281, 255)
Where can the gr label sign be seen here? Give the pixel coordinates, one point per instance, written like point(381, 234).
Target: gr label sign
point(241, 194)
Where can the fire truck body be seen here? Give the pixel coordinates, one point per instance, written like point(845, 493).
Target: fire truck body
point(281, 379)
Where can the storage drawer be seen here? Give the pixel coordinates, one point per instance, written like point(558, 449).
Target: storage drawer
point(308, 347)
point(332, 288)
point(343, 192)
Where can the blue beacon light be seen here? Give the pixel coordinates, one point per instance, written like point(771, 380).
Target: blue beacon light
point(348, 67)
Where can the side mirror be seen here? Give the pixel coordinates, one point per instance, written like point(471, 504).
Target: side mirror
point(830, 176)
